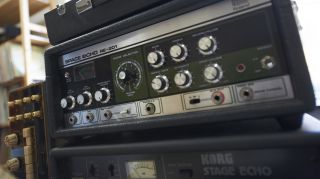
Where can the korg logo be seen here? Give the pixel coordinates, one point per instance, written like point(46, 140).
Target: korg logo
point(217, 159)
point(218, 164)
point(223, 164)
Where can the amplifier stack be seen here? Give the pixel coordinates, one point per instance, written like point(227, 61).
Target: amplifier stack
point(139, 94)
point(224, 61)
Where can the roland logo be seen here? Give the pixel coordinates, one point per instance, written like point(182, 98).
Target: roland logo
point(217, 159)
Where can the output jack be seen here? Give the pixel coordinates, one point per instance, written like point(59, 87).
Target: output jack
point(107, 114)
point(72, 120)
point(150, 108)
point(218, 98)
point(246, 94)
point(268, 62)
point(90, 117)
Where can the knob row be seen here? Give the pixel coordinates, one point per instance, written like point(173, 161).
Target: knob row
point(85, 99)
point(183, 79)
point(179, 52)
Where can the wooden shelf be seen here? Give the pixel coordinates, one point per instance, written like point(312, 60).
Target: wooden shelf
point(38, 28)
point(16, 80)
point(35, 40)
point(9, 10)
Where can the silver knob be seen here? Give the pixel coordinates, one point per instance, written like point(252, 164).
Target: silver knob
point(213, 73)
point(103, 95)
point(183, 79)
point(68, 103)
point(160, 83)
point(84, 99)
point(156, 59)
point(178, 52)
point(207, 45)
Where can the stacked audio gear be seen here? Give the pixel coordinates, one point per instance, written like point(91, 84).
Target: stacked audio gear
point(78, 17)
point(230, 60)
point(26, 107)
point(290, 155)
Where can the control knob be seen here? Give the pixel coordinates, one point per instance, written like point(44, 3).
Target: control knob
point(178, 52)
point(13, 164)
point(102, 95)
point(207, 45)
point(84, 99)
point(156, 59)
point(11, 140)
point(68, 103)
point(183, 79)
point(160, 83)
point(213, 73)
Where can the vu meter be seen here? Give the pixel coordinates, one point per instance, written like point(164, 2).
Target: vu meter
point(128, 76)
point(141, 170)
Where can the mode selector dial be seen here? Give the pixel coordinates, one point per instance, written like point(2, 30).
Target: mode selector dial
point(213, 73)
point(207, 45)
point(183, 79)
point(84, 99)
point(103, 95)
point(178, 52)
point(160, 83)
point(68, 103)
point(156, 59)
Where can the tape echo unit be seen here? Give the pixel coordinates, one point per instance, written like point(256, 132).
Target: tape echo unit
point(228, 60)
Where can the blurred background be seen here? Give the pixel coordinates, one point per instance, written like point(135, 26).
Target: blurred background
point(23, 41)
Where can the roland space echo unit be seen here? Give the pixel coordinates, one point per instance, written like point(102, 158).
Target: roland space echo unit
point(173, 66)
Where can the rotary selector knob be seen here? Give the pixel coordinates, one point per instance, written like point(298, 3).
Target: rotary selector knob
point(68, 103)
point(179, 52)
point(11, 140)
point(207, 45)
point(13, 164)
point(156, 59)
point(160, 83)
point(183, 79)
point(213, 73)
point(84, 99)
point(103, 95)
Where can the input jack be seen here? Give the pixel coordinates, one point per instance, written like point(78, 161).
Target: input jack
point(90, 117)
point(107, 114)
point(268, 62)
point(150, 108)
point(246, 94)
point(72, 120)
point(218, 98)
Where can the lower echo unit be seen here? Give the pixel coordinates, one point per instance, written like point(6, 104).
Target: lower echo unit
point(292, 155)
point(229, 60)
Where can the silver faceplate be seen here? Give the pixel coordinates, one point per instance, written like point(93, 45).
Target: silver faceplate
point(265, 90)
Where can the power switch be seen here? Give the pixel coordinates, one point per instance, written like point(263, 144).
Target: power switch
point(186, 173)
point(195, 101)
